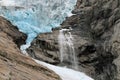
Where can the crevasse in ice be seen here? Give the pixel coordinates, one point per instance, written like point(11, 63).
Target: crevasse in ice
point(36, 16)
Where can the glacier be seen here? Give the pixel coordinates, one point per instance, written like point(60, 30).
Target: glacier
point(36, 16)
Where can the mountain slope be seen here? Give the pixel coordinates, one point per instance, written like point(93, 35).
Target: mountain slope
point(13, 64)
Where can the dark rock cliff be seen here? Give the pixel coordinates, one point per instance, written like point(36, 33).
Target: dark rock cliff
point(96, 32)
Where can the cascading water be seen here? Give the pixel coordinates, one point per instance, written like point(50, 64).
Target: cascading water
point(36, 16)
point(67, 51)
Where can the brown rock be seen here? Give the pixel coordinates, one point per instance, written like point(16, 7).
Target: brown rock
point(13, 64)
point(12, 31)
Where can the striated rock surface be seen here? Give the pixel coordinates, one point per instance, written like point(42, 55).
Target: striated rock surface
point(12, 31)
point(96, 32)
point(13, 64)
point(45, 48)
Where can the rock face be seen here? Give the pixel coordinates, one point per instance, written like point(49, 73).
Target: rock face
point(45, 48)
point(13, 64)
point(96, 32)
point(12, 31)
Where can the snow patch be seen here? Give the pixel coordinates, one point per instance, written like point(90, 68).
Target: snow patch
point(65, 73)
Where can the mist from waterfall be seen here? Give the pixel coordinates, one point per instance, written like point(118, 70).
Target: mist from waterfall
point(66, 47)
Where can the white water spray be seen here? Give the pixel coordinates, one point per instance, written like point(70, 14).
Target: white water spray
point(67, 51)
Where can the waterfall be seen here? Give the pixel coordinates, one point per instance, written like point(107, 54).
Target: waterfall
point(66, 47)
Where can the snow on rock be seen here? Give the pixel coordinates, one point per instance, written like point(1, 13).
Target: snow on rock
point(65, 73)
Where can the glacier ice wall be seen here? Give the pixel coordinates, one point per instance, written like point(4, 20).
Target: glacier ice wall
point(36, 16)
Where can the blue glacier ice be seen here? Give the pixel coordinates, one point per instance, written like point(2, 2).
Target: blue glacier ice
point(36, 16)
